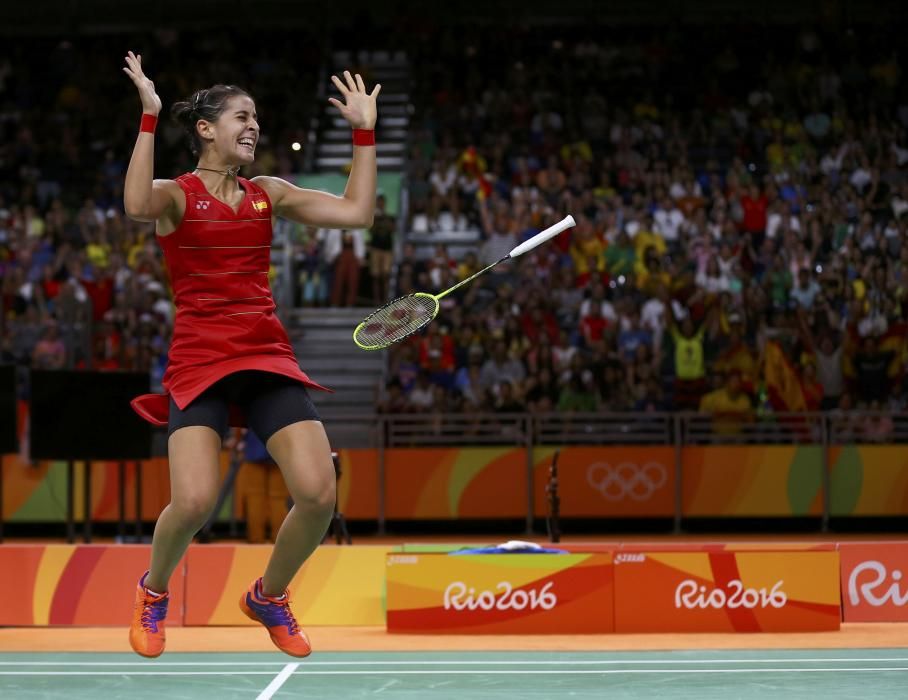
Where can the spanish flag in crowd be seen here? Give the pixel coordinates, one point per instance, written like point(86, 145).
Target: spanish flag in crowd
point(474, 165)
point(783, 383)
point(895, 339)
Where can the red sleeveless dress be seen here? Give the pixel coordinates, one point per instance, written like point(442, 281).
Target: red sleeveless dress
point(218, 261)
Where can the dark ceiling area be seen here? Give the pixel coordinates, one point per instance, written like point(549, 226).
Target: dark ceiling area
point(116, 16)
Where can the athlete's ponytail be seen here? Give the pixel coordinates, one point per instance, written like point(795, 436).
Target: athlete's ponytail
point(206, 104)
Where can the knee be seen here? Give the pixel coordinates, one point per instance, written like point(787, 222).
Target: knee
point(193, 510)
point(320, 496)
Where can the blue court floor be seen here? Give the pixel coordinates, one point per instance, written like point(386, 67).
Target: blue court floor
point(826, 674)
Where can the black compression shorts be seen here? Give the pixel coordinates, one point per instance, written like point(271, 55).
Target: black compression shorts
point(269, 402)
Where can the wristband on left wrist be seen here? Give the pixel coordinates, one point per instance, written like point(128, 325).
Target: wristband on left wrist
point(148, 124)
point(364, 137)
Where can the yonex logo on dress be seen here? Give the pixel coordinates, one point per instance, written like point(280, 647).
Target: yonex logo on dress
point(627, 480)
point(202, 204)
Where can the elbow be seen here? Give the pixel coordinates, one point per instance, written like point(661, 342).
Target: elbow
point(134, 211)
point(368, 221)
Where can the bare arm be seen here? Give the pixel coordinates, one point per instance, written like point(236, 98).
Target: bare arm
point(356, 207)
point(145, 199)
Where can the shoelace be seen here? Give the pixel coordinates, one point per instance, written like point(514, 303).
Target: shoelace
point(286, 614)
point(153, 613)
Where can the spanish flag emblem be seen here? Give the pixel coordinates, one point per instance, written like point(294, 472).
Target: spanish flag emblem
point(260, 205)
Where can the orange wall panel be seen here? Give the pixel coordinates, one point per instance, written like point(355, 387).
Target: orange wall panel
point(874, 586)
point(727, 591)
point(77, 584)
point(441, 483)
point(603, 482)
point(500, 593)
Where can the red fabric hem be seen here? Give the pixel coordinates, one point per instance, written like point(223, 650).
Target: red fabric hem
point(155, 408)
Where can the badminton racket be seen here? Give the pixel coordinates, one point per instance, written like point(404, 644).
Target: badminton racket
point(408, 314)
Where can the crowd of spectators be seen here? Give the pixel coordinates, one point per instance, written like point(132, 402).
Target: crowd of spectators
point(741, 213)
point(741, 244)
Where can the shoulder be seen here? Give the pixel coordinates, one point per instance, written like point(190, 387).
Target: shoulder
point(274, 187)
point(171, 187)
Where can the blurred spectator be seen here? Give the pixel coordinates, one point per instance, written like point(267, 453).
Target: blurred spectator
point(381, 251)
point(346, 250)
point(577, 395)
point(500, 367)
point(806, 290)
point(312, 271)
point(422, 395)
point(49, 352)
point(507, 399)
point(394, 400)
point(871, 367)
point(689, 367)
point(261, 490)
point(729, 406)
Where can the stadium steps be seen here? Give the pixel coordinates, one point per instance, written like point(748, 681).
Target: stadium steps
point(329, 163)
point(333, 148)
point(322, 339)
point(343, 135)
point(346, 149)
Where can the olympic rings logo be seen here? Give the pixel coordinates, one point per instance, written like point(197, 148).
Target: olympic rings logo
point(627, 480)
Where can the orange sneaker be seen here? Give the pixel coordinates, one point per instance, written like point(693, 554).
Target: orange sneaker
point(275, 614)
point(146, 633)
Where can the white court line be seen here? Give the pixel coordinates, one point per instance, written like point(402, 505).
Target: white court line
point(278, 681)
point(460, 672)
point(502, 662)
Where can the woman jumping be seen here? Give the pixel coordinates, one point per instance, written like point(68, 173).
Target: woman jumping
point(230, 360)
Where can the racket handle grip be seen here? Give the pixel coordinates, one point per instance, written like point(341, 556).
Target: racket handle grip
point(540, 238)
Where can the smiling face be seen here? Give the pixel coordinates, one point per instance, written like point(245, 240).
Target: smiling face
point(232, 138)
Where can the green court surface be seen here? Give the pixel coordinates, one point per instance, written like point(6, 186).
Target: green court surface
point(840, 673)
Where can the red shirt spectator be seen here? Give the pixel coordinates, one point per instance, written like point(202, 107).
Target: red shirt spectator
point(593, 326)
point(101, 294)
point(754, 205)
point(537, 322)
point(436, 341)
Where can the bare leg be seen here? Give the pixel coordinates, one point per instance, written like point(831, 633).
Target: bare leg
point(302, 452)
point(194, 474)
point(277, 501)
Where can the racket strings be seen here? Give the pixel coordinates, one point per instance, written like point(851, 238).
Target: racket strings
point(396, 320)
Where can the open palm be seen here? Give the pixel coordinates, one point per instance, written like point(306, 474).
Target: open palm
point(360, 108)
point(151, 103)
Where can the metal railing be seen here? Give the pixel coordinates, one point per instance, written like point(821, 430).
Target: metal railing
point(458, 429)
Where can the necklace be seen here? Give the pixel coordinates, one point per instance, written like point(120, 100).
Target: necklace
point(230, 172)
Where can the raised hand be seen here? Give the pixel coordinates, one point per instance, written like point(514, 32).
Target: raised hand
point(151, 103)
point(360, 109)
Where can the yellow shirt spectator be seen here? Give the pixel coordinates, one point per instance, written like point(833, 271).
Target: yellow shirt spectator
point(689, 355)
point(720, 402)
point(644, 239)
point(728, 412)
point(135, 250)
point(585, 246)
point(98, 253)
